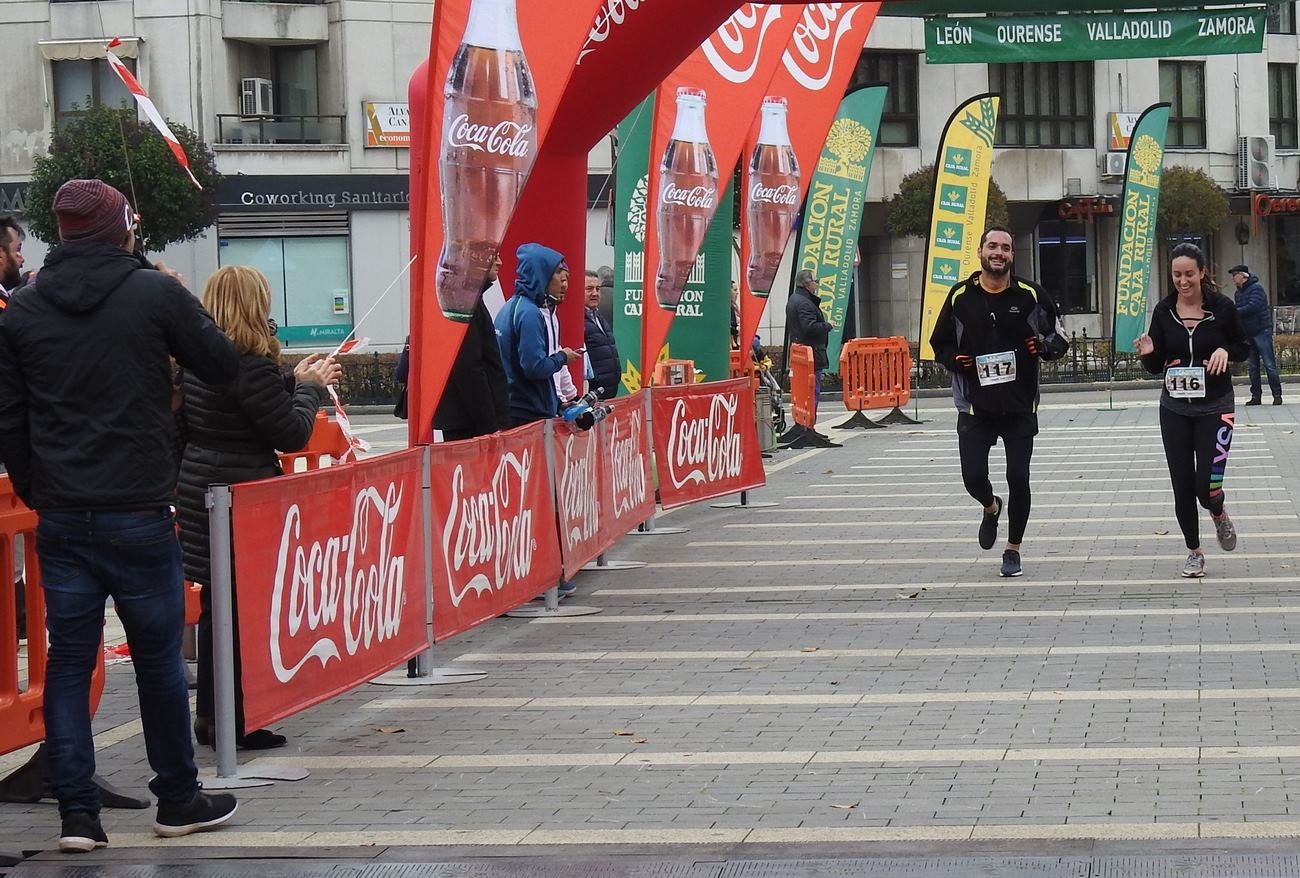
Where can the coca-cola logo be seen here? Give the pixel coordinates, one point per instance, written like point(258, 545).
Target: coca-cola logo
point(611, 15)
point(627, 463)
point(505, 138)
point(735, 48)
point(706, 449)
point(810, 59)
point(343, 591)
point(579, 504)
point(697, 196)
point(784, 194)
point(488, 539)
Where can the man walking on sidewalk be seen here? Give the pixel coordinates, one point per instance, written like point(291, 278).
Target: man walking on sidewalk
point(1257, 320)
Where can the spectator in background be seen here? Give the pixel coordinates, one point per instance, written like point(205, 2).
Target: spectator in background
point(735, 316)
point(606, 293)
point(11, 257)
point(555, 296)
point(1257, 321)
point(602, 352)
point(807, 324)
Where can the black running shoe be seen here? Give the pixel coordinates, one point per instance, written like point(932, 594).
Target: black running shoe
point(989, 527)
point(82, 833)
point(1011, 563)
point(205, 811)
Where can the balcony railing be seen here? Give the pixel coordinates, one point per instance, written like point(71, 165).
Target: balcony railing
point(281, 130)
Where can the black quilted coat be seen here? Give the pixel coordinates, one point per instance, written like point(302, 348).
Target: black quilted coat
point(231, 435)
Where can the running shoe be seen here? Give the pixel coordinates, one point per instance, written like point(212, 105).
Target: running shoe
point(82, 833)
point(205, 811)
point(1011, 563)
point(989, 527)
point(1194, 566)
point(1226, 533)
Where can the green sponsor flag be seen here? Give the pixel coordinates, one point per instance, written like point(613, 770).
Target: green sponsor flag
point(1095, 36)
point(1137, 231)
point(832, 213)
point(701, 330)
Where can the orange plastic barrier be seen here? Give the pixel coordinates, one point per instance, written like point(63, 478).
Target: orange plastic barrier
point(803, 393)
point(21, 720)
point(327, 440)
point(674, 372)
point(877, 373)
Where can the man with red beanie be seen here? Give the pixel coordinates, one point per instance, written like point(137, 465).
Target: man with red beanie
point(87, 434)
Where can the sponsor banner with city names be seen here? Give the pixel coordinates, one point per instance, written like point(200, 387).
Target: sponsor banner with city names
point(961, 185)
point(577, 494)
point(1095, 37)
point(627, 487)
point(812, 76)
point(705, 441)
point(330, 571)
point(700, 332)
point(732, 69)
point(1139, 208)
point(832, 213)
point(495, 545)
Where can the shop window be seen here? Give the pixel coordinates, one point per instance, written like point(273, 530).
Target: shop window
point(1281, 18)
point(1044, 104)
point(296, 87)
point(899, 70)
point(311, 287)
point(1286, 245)
point(1282, 121)
point(1182, 84)
point(83, 85)
point(1066, 265)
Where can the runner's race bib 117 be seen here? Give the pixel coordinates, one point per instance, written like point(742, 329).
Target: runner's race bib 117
point(1185, 382)
point(996, 368)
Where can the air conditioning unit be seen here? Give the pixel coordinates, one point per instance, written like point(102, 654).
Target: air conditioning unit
point(1256, 162)
point(255, 97)
point(1113, 164)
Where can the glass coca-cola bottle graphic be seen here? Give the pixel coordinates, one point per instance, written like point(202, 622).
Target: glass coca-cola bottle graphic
point(773, 197)
point(489, 144)
point(688, 197)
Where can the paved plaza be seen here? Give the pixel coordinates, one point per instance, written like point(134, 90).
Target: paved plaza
point(841, 675)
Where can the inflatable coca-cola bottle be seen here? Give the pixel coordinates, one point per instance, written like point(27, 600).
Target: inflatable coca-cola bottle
point(688, 197)
point(773, 196)
point(489, 144)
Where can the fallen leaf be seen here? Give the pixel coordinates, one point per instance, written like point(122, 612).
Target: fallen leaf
point(809, 649)
point(624, 733)
point(640, 741)
point(1162, 533)
point(908, 595)
point(389, 730)
point(847, 807)
point(830, 472)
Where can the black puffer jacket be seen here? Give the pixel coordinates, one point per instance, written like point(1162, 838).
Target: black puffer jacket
point(807, 324)
point(232, 435)
point(86, 381)
point(602, 353)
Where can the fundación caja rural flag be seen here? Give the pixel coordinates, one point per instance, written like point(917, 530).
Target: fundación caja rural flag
point(961, 188)
point(1137, 231)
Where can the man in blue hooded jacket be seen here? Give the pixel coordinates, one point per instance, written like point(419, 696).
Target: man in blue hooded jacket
point(522, 334)
point(1257, 320)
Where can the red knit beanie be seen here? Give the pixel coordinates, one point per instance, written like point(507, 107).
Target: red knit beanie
point(92, 211)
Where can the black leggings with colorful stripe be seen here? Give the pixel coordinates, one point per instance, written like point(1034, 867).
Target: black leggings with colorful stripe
point(1196, 447)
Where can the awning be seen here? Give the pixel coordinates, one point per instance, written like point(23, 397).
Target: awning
point(87, 50)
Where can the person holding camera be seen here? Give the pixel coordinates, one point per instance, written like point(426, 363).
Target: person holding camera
point(992, 331)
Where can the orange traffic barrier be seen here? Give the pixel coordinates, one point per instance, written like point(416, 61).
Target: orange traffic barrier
point(674, 372)
point(327, 440)
point(877, 374)
point(803, 390)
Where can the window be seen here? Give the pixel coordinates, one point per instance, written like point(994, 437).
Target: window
point(1282, 121)
point(1066, 260)
point(294, 72)
point(1281, 18)
point(1182, 84)
point(311, 288)
point(1286, 244)
point(83, 85)
point(898, 69)
point(1044, 104)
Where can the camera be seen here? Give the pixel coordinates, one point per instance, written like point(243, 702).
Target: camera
point(586, 411)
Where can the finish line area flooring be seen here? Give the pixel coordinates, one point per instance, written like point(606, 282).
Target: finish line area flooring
point(838, 685)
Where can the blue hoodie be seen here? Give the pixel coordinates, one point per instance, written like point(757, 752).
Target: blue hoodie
point(521, 334)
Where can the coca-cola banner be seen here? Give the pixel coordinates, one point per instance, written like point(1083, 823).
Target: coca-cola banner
point(814, 72)
point(627, 484)
point(703, 111)
point(577, 494)
point(494, 530)
point(329, 572)
point(705, 440)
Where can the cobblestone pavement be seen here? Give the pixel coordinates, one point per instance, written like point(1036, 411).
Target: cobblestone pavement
point(846, 667)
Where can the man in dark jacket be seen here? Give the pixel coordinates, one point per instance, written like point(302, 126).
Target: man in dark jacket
point(86, 430)
point(1257, 320)
point(523, 337)
point(807, 324)
point(602, 352)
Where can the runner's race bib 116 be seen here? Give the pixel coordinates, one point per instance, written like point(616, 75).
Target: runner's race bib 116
point(1185, 382)
point(996, 368)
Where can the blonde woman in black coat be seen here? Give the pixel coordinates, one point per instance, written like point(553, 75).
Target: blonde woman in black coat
point(232, 434)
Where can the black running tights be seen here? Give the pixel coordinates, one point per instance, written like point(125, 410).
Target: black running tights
point(1196, 448)
point(973, 447)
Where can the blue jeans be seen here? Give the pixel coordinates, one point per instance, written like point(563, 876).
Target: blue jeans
point(134, 558)
point(817, 393)
point(1261, 348)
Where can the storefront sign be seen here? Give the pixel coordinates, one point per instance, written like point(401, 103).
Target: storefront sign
point(1085, 37)
point(13, 198)
point(1262, 204)
point(1120, 128)
point(1080, 210)
point(246, 193)
point(387, 125)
